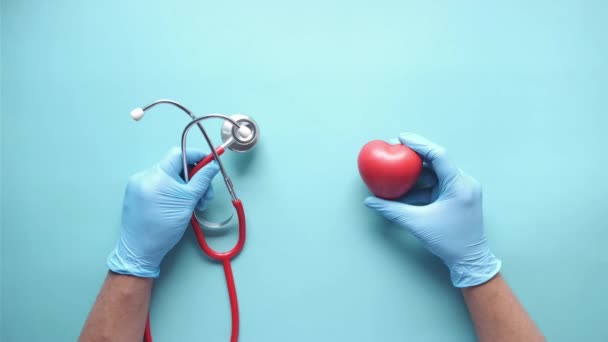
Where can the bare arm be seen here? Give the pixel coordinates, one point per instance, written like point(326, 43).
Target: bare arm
point(497, 314)
point(156, 210)
point(120, 311)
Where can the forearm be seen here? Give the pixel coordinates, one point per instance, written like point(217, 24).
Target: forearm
point(120, 311)
point(497, 314)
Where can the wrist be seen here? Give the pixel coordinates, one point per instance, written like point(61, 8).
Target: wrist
point(123, 260)
point(129, 278)
point(475, 271)
point(481, 287)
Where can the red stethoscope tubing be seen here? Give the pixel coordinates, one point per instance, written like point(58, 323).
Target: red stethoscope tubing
point(223, 257)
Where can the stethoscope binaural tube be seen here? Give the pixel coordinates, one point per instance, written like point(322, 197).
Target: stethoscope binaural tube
point(240, 133)
point(214, 152)
point(138, 113)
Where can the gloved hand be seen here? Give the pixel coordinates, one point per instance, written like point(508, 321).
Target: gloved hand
point(446, 217)
point(156, 211)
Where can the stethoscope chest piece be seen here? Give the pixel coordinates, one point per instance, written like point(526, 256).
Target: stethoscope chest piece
point(243, 140)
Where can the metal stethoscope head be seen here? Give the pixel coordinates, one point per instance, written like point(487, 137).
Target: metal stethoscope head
point(240, 133)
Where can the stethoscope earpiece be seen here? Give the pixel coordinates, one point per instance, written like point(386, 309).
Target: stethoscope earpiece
point(137, 114)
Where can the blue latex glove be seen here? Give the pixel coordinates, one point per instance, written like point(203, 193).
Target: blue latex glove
point(446, 216)
point(157, 208)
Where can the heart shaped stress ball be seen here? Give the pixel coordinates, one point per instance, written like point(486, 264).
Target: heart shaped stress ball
point(389, 171)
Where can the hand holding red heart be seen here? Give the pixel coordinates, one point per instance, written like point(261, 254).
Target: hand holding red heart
point(446, 217)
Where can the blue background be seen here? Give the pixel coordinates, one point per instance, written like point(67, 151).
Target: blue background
point(516, 91)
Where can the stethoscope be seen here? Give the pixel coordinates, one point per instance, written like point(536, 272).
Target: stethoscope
point(239, 133)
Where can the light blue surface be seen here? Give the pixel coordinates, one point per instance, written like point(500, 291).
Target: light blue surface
point(1, 179)
point(516, 90)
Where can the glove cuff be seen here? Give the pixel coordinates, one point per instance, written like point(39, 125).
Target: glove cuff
point(122, 260)
point(475, 273)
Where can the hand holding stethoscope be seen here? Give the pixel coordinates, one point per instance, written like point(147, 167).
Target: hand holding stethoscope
point(239, 133)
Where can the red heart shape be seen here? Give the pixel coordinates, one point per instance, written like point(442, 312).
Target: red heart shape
point(389, 171)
